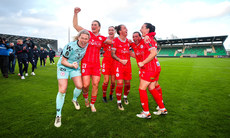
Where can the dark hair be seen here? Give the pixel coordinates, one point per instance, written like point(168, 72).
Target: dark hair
point(112, 26)
point(137, 33)
point(118, 28)
point(97, 22)
point(150, 27)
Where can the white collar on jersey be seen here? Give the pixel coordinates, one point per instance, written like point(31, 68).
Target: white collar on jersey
point(121, 39)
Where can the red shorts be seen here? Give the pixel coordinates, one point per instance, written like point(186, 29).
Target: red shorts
point(90, 69)
point(123, 72)
point(149, 76)
point(108, 67)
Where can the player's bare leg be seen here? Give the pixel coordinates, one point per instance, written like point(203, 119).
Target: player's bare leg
point(86, 83)
point(95, 83)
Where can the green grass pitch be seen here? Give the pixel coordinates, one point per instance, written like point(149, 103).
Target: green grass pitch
point(196, 93)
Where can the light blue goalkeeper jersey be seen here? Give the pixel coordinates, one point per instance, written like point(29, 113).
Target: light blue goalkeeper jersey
point(73, 53)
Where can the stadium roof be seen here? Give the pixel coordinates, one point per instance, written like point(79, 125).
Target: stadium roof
point(35, 39)
point(197, 40)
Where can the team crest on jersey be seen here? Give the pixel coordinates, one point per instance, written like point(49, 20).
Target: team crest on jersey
point(117, 75)
point(141, 46)
point(100, 38)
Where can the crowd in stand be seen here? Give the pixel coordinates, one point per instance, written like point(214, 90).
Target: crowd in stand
point(25, 51)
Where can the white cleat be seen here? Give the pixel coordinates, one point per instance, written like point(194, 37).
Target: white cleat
point(93, 109)
point(22, 77)
point(161, 112)
point(53, 63)
point(144, 115)
point(57, 122)
point(126, 101)
point(32, 73)
point(26, 74)
point(157, 108)
point(76, 105)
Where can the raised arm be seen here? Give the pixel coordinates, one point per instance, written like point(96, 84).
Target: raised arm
point(75, 19)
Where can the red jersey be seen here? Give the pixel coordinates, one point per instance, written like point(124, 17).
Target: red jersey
point(122, 51)
point(107, 50)
point(142, 51)
point(92, 55)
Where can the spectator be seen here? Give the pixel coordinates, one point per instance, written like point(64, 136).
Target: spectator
point(21, 52)
point(43, 56)
point(12, 58)
point(51, 56)
point(4, 57)
point(36, 53)
point(30, 47)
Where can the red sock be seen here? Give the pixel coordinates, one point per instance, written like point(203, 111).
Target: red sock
point(157, 98)
point(104, 89)
point(112, 86)
point(159, 90)
point(85, 95)
point(119, 91)
point(127, 89)
point(144, 100)
point(93, 99)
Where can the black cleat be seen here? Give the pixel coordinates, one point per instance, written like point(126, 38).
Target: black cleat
point(104, 99)
point(110, 97)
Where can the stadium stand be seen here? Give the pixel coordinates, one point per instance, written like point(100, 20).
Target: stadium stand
point(193, 47)
point(39, 42)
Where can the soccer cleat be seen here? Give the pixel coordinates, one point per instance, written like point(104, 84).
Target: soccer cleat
point(50, 63)
point(120, 107)
point(161, 112)
point(93, 109)
point(32, 73)
point(57, 122)
point(104, 99)
point(87, 103)
point(22, 77)
point(53, 63)
point(110, 97)
point(26, 74)
point(76, 105)
point(157, 108)
point(126, 101)
point(144, 115)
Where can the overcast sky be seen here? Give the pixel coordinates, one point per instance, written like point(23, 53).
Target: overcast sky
point(51, 18)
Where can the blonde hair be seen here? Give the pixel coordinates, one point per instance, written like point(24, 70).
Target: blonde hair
point(81, 32)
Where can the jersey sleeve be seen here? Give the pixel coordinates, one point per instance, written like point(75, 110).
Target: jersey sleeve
point(114, 45)
point(67, 51)
point(151, 45)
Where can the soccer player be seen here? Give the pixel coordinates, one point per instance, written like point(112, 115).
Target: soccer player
point(123, 73)
point(90, 65)
point(68, 65)
point(108, 66)
point(21, 52)
point(146, 52)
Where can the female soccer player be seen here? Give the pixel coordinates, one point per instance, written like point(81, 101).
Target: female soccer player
point(121, 54)
point(68, 65)
point(108, 66)
point(90, 65)
point(146, 52)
